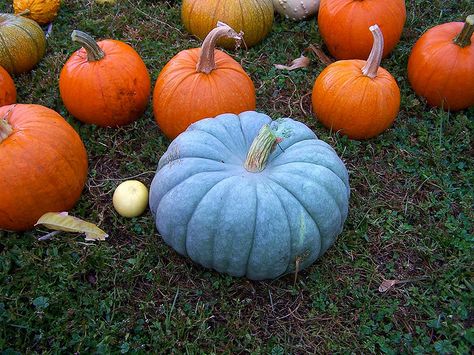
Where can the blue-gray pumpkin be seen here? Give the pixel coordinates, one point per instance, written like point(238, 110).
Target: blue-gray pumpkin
point(249, 196)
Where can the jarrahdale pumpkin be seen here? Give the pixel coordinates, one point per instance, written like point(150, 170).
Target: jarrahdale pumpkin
point(296, 9)
point(22, 43)
point(441, 65)
point(43, 165)
point(104, 83)
point(248, 196)
point(7, 88)
point(344, 24)
point(358, 98)
point(41, 11)
point(253, 17)
point(200, 83)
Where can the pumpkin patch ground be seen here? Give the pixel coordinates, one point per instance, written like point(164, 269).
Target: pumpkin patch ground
point(396, 280)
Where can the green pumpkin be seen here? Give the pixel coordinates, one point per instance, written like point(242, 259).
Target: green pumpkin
point(253, 17)
point(232, 200)
point(22, 43)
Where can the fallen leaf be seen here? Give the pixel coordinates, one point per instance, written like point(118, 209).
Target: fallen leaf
point(326, 60)
point(301, 62)
point(387, 285)
point(63, 222)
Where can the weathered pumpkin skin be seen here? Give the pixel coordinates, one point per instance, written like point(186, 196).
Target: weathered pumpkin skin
point(43, 166)
point(441, 71)
point(7, 88)
point(22, 43)
point(253, 17)
point(296, 10)
point(260, 225)
point(344, 24)
point(110, 92)
point(41, 11)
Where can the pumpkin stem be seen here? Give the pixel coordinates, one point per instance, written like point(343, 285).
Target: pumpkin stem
point(5, 128)
point(260, 150)
point(25, 12)
point(464, 38)
point(206, 62)
point(94, 52)
point(373, 62)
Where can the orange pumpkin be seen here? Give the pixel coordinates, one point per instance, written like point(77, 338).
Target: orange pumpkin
point(43, 165)
point(441, 65)
point(199, 83)
point(344, 24)
point(104, 83)
point(356, 97)
point(41, 11)
point(7, 88)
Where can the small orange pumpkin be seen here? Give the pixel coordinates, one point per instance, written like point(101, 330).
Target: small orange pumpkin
point(358, 98)
point(199, 83)
point(43, 165)
point(41, 11)
point(7, 88)
point(344, 24)
point(441, 65)
point(104, 83)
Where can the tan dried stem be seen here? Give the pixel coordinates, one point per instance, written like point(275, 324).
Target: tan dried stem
point(207, 63)
point(373, 62)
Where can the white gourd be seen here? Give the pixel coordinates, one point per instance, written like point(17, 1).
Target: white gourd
point(296, 9)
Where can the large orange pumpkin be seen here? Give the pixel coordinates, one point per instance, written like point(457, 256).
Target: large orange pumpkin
point(41, 11)
point(358, 98)
point(441, 65)
point(22, 43)
point(344, 25)
point(7, 88)
point(199, 83)
point(104, 83)
point(253, 17)
point(43, 165)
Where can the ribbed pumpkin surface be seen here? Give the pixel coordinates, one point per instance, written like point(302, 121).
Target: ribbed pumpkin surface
point(22, 43)
point(43, 166)
point(253, 17)
point(259, 224)
point(41, 11)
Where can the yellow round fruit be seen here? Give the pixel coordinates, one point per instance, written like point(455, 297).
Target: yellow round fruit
point(130, 198)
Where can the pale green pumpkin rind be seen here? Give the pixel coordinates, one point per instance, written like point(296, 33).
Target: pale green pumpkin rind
point(259, 225)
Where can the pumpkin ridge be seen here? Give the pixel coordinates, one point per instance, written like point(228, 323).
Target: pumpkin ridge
point(38, 56)
point(189, 177)
point(297, 199)
point(341, 220)
point(290, 252)
point(223, 144)
point(313, 164)
point(196, 208)
point(326, 190)
point(253, 232)
point(12, 66)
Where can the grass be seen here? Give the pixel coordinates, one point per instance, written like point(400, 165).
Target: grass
point(410, 219)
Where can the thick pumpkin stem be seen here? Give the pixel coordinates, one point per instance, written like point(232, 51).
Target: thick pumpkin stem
point(5, 129)
point(373, 63)
point(464, 38)
point(261, 148)
point(206, 62)
point(94, 52)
